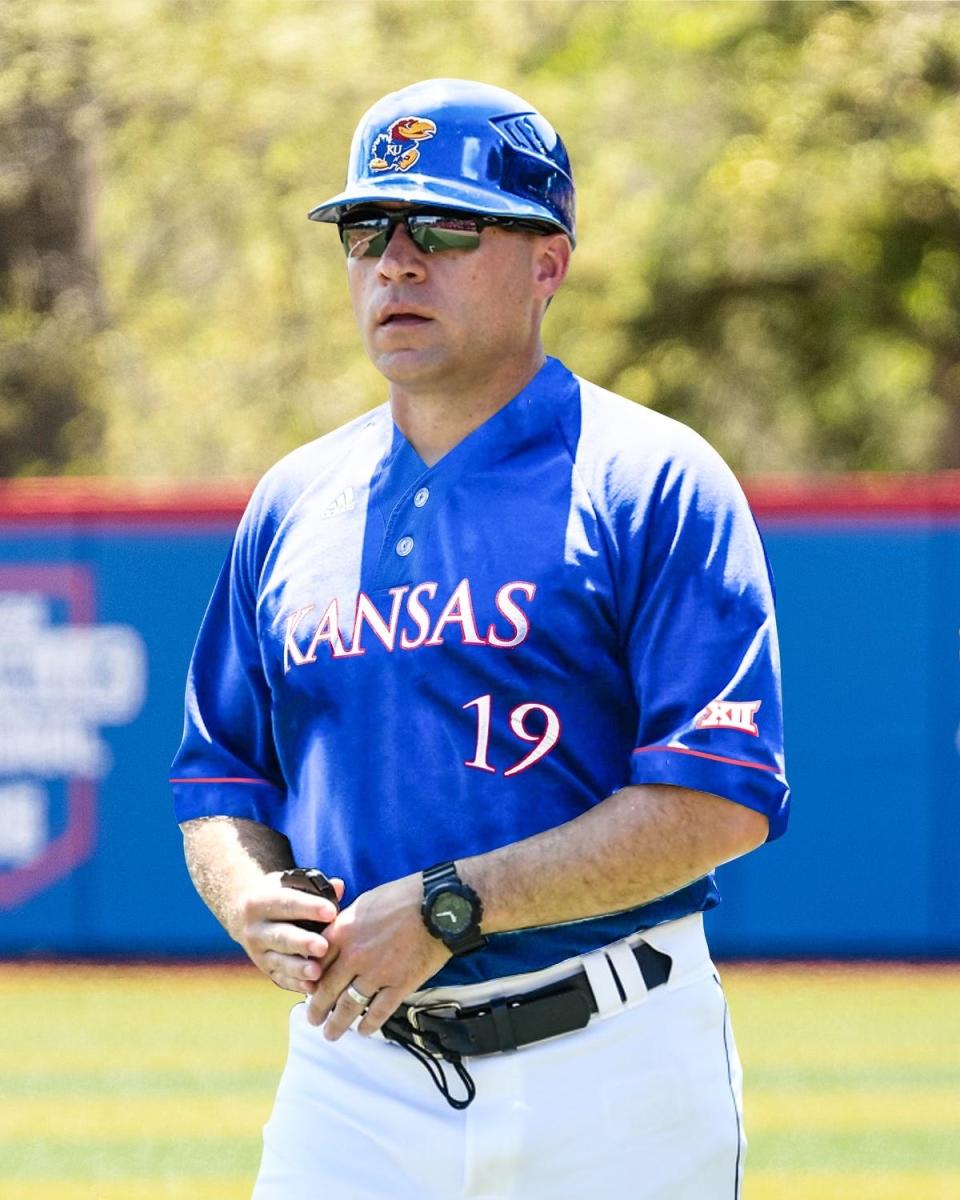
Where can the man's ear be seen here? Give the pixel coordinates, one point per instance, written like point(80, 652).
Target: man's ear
point(551, 262)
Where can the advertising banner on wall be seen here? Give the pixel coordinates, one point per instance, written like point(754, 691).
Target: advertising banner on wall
point(102, 593)
point(100, 596)
point(64, 677)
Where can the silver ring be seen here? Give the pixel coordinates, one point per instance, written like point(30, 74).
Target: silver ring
point(357, 996)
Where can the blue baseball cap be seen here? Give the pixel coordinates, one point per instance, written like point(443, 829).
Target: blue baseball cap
point(457, 144)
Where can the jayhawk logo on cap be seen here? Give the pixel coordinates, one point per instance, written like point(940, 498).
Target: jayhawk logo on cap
point(396, 149)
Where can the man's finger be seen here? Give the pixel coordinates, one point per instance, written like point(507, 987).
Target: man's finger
point(321, 1004)
point(351, 1003)
point(291, 905)
point(289, 939)
point(331, 987)
point(384, 1004)
point(291, 983)
point(293, 966)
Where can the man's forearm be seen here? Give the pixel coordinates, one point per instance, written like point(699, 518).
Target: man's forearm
point(637, 845)
point(641, 843)
point(227, 857)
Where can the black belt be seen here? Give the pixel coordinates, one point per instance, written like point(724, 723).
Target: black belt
point(446, 1030)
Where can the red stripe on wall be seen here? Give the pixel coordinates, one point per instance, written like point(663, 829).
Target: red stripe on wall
point(863, 495)
point(93, 500)
point(935, 496)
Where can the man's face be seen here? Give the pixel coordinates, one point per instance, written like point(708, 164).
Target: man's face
point(440, 320)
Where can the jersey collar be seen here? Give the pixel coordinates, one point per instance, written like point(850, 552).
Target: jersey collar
point(530, 416)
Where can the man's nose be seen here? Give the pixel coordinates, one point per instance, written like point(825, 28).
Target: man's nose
point(401, 256)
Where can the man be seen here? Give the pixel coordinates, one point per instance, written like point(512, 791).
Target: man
point(500, 656)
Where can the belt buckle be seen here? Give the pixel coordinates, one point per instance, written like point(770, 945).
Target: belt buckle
point(413, 1019)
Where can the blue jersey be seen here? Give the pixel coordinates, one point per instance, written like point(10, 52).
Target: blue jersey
point(404, 664)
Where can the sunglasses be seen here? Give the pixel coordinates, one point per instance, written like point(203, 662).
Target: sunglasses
point(367, 235)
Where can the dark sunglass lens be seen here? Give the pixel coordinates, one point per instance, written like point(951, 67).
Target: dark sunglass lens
point(366, 235)
point(442, 232)
point(364, 239)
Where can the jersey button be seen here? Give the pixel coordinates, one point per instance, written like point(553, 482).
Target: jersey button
point(404, 546)
point(421, 497)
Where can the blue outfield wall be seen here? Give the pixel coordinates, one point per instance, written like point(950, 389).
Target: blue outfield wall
point(101, 595)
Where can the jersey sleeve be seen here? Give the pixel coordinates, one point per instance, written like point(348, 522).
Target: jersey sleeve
point(227, 764)
point(702, 643)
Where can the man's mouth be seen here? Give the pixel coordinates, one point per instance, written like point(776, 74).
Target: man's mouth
point(401, 316)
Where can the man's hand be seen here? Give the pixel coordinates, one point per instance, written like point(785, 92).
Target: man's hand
point(291, 957)
point(380, 946)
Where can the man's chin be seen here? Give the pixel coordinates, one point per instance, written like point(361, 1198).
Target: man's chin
point(411, 367)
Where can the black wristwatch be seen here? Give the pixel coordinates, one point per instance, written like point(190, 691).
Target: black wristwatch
point(452, 910)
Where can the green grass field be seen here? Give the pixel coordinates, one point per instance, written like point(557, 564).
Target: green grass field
point(135, 1083)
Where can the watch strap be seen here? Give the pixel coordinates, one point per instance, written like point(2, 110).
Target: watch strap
point(445, 872)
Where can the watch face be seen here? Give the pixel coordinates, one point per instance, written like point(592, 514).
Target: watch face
point(451, 913)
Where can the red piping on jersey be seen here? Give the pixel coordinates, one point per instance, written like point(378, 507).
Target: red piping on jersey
point(734, 762)
point(195, 779)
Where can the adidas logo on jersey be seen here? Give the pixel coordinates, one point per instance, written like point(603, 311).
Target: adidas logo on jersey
point(730, 714)
point(342, 504)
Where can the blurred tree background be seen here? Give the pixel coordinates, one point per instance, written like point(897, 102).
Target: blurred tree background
point(769, 219)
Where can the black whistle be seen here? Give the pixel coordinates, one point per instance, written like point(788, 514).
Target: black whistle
point(315, 883)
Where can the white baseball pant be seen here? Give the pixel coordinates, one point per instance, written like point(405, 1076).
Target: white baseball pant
point(642, 1104)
